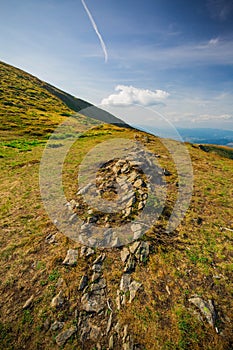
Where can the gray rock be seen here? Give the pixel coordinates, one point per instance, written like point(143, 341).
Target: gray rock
point(125, 254)
point(84, 189)
point(85, 228)
point(116, 242)
point(92, 219)
point(125, 168)
point(137, 230)
point(93, 302)
point(133, 247)
point(136, 227)
point(86, 251)
point(109, 324)
point(101, 284)
point(133, 288)
point(125, 332)
point(95, 276)
point(28, 303)
point(51, 239)
point(131, 202)
point(125, 282)
point(206, 308)
point(97, 267)
point(143, 251)
point(123, 299)
point(83, 282)
point(127, 197)
point(127, 211)
point(62, 338)
point(73, 218)
point(137, 235)
point(99, 259)
point(71, 257)
point(117, 328)
point(93, 242)
point(107, 238)
point(130, 265)
point(133, 176)
point(57, 326)
point(58, 300)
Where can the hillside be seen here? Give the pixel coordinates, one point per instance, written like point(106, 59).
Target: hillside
point(164, 291)
point(32, 108)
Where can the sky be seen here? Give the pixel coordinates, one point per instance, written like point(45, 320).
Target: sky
point(171, 57)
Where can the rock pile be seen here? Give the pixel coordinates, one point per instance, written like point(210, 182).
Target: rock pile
point(96, 314)
point(124, 184)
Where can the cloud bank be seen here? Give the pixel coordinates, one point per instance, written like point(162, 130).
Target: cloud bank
point(128, 95)
point(210, 117)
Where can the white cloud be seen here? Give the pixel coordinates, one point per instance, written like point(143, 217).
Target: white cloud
point(128, 95)
point(213, 41)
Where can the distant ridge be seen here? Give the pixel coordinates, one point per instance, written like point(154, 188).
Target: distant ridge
point(85, 108)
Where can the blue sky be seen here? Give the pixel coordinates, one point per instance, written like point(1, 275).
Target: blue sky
point(173, 56)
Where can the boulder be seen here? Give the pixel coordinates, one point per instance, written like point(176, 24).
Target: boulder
point(206, 308)
point(125, 282)
point(71, 257)
point(125, 254)
point(133, 288)
point(93, 302)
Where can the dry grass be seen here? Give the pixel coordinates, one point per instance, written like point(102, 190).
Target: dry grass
point(187, 262)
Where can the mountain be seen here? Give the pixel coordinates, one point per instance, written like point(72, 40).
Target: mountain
point(165, 290)
point(34, 108)
point(194, 135)
point(207, 136)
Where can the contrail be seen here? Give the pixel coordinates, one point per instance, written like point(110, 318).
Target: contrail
point(96, 30)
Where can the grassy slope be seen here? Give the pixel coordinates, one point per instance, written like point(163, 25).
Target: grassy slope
point(196, 259)
point(27, 109)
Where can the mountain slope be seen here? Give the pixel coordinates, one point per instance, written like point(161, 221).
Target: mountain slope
point(30, 107)
point(144, 298)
